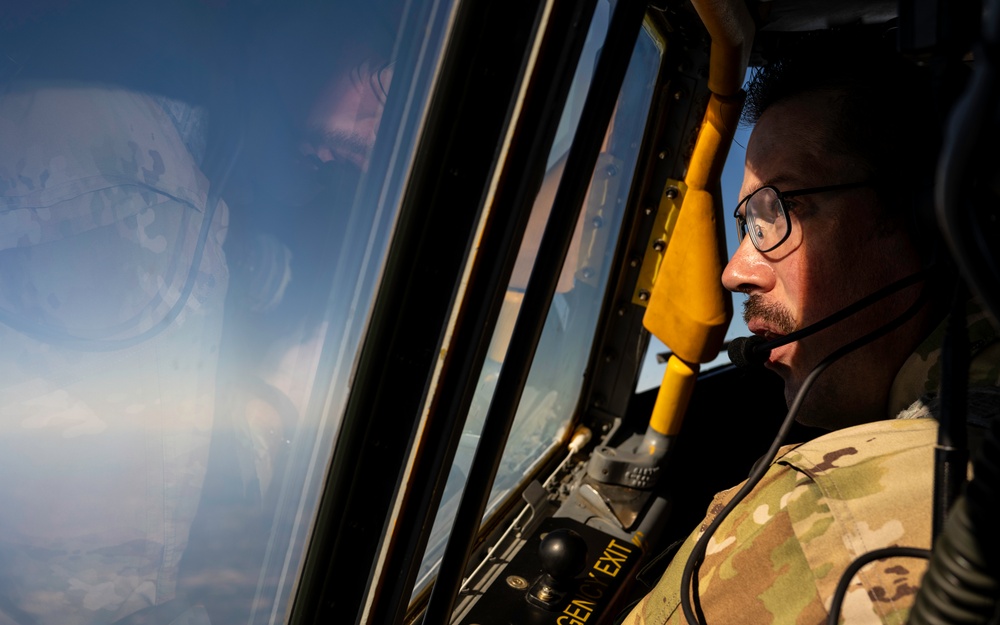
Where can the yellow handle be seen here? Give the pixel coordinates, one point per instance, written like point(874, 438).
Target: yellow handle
point(673, 396)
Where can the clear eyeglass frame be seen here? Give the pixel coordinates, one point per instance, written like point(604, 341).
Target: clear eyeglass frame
point(374, 73)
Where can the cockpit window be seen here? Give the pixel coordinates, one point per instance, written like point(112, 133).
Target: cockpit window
point(547, 409)
point(196, 200)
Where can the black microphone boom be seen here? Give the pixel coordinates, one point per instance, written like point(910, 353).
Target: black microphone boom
point(753, 351)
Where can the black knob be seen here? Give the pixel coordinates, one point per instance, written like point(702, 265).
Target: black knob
point(563, 553)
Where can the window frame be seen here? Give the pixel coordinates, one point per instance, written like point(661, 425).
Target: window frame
point(368, 540)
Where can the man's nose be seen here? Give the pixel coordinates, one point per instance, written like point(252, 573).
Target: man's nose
point(748, 271)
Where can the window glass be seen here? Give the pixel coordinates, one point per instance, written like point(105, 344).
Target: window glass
point(196, 200)
point(547, 407)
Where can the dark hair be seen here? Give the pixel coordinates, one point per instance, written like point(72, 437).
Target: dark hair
point(886, 110)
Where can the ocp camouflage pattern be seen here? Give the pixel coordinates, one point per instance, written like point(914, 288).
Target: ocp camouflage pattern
point(107, 361)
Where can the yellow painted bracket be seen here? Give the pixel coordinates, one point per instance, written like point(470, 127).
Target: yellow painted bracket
point(688, 308)
point(663, 227)
point(604, 190)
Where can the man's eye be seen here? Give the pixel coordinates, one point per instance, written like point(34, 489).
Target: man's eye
point(758, 231)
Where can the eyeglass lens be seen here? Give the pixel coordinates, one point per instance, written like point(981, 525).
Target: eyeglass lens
point(765, 219)
point(376, 75)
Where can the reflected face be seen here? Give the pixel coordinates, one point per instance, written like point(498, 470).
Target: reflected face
point(537, 221)
point(343, 121)
point(839, 250)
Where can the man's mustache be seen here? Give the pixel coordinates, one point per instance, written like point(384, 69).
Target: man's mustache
point(772, 314)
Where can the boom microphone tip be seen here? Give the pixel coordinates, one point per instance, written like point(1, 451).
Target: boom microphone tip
point(747, 351)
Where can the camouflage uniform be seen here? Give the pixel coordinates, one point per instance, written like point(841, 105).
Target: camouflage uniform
point(107, 366)
point(779, 555)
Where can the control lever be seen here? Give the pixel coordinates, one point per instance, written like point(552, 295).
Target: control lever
point(563, 554)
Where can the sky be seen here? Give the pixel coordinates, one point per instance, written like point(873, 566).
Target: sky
point(732, 178)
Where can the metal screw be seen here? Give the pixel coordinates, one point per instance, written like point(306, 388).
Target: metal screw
point(597, 221)
point(643, 295)
point(546, 593)
point(659, 245)
point(671, 192)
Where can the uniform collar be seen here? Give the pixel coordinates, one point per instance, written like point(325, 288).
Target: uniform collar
point(920, 375)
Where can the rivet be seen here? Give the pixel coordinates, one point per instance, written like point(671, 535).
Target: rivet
point(517, 582)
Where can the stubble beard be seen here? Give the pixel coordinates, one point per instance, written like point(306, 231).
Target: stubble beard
point(774, 315)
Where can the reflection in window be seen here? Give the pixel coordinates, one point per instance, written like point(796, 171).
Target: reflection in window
point(191, 230)
point(547, 407)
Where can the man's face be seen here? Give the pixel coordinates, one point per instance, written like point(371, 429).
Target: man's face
point(343, 122)
point(838, 251)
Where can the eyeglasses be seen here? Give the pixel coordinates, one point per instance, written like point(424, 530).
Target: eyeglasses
point(764, 216)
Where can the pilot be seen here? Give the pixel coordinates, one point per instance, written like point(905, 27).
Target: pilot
point(829, 213)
